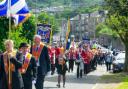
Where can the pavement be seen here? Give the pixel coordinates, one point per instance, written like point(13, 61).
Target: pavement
point(91, 81)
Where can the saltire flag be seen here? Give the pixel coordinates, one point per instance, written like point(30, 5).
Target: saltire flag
point(68, 41)
point(18, 10)
point(3, 8)
point(19, 19)
point(17, 7)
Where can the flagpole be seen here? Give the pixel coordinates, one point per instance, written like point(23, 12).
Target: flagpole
point(9, 16)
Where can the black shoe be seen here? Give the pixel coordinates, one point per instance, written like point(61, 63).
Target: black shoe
point(63, 86)
point(52, 73)
point(58, 85)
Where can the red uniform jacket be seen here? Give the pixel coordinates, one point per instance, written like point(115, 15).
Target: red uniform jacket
point(52, 55)
point(57, 52)
point(71, 55)
point(85, 56)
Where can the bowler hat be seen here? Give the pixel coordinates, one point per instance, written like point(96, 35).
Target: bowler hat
point(23, 45)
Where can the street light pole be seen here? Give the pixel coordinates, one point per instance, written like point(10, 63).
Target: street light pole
point(94, 25)
point(96, 20)
point(80, 27)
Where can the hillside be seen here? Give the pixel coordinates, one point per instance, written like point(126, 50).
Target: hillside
point(47, 3)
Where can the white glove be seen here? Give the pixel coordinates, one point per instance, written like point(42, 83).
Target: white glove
point(34, 82)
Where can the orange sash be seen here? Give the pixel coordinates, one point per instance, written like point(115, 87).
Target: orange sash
point(6, 62)
point(9, 67)
point(36, 53)
point(26, 63)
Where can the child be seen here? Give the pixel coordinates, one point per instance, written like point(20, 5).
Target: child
point(61, 69)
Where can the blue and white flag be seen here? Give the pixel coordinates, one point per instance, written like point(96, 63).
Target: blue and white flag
point(19, 19)
point(17, 7)
point(3, 8)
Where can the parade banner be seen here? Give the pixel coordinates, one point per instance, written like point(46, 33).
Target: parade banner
point(86, 40)
point(44, 31)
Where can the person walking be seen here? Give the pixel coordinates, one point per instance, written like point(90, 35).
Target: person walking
point(40, 52)
point(1, 73)
point(61, 69)
point(71, 58)
point(11, 62)
point(79, 63)
point(109, 59)
point(29, 67)
point(86, 59)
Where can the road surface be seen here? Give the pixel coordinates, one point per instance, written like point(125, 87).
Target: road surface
point(87, 82)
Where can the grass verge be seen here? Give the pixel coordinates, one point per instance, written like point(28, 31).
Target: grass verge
point(119, 80)
point(124, 84)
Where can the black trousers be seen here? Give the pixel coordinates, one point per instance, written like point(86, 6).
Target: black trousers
point(0, 81)
point(40, 82)
point(27, 86)
point(27, 80)
point(86, 68)
point(93, 64)
point(52, 69)
point(79, 72)
point(71, 65)
point(108, 66)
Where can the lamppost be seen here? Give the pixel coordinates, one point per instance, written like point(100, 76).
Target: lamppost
point(80, 38)
point(96, 21)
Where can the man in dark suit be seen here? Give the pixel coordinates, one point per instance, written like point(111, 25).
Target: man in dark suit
point(40, 52)
point(14, 58)
point(0, 72)
point(29, 68)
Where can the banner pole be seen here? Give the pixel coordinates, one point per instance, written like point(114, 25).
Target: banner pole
point(36, 18)
point(51, 36)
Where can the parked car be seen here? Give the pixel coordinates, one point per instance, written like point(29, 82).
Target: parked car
point(118, 62)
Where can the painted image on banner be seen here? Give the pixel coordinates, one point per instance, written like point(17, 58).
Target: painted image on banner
point(44, 31)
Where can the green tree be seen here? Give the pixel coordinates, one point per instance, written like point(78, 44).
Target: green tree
point(15, 36)
point(69, 13)
point(81, 10)
point(28, 29)
point(3, 31)
point(47, 3)
point(103, 29)
point(118, 21)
